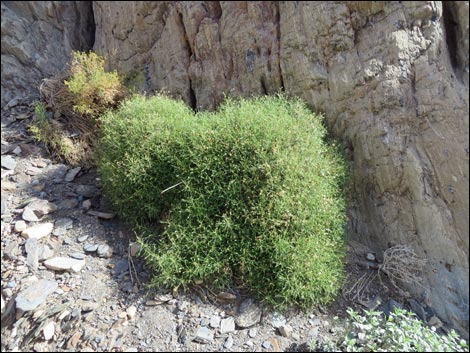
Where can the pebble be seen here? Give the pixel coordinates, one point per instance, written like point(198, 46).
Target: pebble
point(370, 256)
point(45, 252)
point(435, 321)
point(38, 231)
point(250, 314)
point(278, 320)
point(88, 247)
point(252, 332)
point(65, 222)
point(68, 204)
point(214, 321)
point(227, 325)
point(64, 264)
point(71, 174)
point(104, 251)
point(89, 306)
point(228, 342)
point(131, 312)
point(13, 103)
point(102, 215)
point(8, 162)
point(32, 251)
point(86, 190)
point(82, 238)
point(20, 226)
point(29, 215)
point(35, 294)
point(77, 255)
point(48, 331)
point(17, 150)
point(266, 345)
point(33, 171)
point(285, 330)
point(86, 205)
point(204, 335)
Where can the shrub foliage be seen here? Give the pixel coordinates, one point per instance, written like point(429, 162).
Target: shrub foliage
point(402, 331)
point(251, 194)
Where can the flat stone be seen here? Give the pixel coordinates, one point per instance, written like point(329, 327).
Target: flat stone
point(71, 174)
point(266, 345)
point(103, 215)
point(32, 251)
point(285, 331)
point(86, 205)
point(228, 342)
point(252, 332)
point(48, 331)
point(29, 215)
point(214, 321)
point(35, 295)
point(104, 251)
point(42, 207)
point(134, 248)
point(77, 255)
point(370, 256)
point(17, 150)
point(45, 252)
point(131, 312)
point(204, 335)
point(8, 186)
point(20, 226)
point(13, 103)
point(33, 171)
point(250, 314)
point(435, 321)
point(8, 162)
point(38, 231)
point(88, 247)
point(227, 325)
point(123, 266)
point(278, 320)
point(82, 238)
point(4, 206)
point(68, 204)
point(64, 264)
point(418, 309)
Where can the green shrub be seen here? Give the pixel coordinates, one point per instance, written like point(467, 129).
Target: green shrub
point(95, 90)
point(249, 194)
point(401, 332)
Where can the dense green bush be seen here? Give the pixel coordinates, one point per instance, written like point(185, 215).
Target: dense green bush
point(401, 332)
point(250, 194)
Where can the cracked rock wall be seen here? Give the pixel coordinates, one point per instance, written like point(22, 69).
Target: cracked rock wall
point(37, 40)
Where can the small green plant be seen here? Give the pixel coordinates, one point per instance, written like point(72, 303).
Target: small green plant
point(400, 332)
point(251, 194)
point(52, 135)
point(95, 89)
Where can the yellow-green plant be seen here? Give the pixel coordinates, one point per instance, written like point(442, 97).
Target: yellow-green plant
point(95, 89)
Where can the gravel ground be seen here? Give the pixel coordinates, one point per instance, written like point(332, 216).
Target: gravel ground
point(75, 284)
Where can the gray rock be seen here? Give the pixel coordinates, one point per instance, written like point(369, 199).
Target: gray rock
point(86, 205)
point(214, 321)
point(418, 309)
point(8, 162)
point(59, 231)
point(88, 247)
point(121, 267)
point(33, 171)
point(435, 321)
point(250, 314)
point(32, 251)
point(228, 342)
point(87, 190)
point(17, 150)
point(71, 174)
point(286, 331)
point(20, 226)
point(64, 264)
point(68, 204)
point(266, 345)
point(104, 251)
point(4, 206)
point(278, 320)
point(13, 103)
point(77, 255)
point(38, 231)
point(29, 215)
point(42, 207)
point(389, 307)
point(252, 332)
point(103, 215)
point(227, 325)
point(45, 252)
point(370, 256)
point(82, 238)
point(35, 295)
point(204, 335)
point(11, 250)
point(65, 222)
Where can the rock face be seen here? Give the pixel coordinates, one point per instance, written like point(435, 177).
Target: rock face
point(37, 40)
point(390, 77)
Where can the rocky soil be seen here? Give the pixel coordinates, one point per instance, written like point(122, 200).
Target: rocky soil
point(71, 279)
